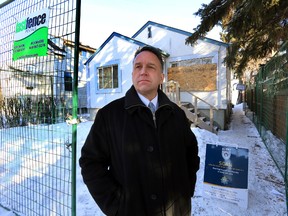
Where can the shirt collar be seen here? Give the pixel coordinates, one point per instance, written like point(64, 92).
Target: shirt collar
point(146, 101)
point(132, 100)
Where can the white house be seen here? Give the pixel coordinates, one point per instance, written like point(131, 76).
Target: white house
point(199, 69)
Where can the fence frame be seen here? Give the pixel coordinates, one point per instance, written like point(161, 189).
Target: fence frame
point(71, 25)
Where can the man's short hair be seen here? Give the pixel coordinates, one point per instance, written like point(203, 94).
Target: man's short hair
point(154, 50)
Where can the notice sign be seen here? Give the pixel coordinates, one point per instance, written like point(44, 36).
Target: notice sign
point(240, 87)
point(226, 173)
point(31, 35)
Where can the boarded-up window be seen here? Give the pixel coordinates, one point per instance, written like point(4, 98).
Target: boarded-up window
point(200, 77)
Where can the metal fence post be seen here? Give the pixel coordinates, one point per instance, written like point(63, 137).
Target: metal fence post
point(75, 105)
point(286, 158)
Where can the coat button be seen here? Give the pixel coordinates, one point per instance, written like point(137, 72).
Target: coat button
point(150, 149)
point(153, 196)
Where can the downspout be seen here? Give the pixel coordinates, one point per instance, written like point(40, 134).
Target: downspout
point(88, 86)
point(218, 79)
point(165, 70)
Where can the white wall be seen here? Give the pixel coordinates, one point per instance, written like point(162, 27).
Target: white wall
point(116, 49)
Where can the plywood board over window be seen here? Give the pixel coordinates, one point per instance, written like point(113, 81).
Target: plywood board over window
point(200, 77)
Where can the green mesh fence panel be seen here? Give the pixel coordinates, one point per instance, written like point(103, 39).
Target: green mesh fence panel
point(270, 106)
point(35, 104)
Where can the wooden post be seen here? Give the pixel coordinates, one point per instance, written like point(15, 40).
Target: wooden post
point(195, 108)
point(211, 118)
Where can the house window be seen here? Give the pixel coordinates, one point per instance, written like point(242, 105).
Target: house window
point(174, 64)
point(108, 78)
point(68, 81)
point(149, 32)
point(192, 61)
point(84, 53)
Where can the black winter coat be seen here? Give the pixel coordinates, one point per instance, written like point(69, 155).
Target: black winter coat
point(132, 166)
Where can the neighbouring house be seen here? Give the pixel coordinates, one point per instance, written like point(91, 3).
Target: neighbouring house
point(199, 69)
point(44, 84)
point(85, 52)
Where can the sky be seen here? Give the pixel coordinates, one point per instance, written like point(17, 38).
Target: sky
point(100, 18)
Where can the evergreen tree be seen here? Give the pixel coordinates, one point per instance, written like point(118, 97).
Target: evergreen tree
point(253, 28)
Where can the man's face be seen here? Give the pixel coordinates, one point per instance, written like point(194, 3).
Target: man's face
point(147, 74)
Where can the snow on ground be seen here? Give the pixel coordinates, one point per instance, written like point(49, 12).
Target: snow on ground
point(266, 193)
point(266, 190)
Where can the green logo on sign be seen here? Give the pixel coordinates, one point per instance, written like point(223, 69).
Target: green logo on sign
point(31, 36)
point(31, 22)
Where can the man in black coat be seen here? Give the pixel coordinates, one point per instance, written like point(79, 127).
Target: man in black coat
point(138, 162)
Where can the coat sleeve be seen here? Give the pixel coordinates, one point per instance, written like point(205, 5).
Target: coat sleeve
point(94, 162)
point(193, 159)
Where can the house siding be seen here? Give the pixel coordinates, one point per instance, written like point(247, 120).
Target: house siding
point(116, 48)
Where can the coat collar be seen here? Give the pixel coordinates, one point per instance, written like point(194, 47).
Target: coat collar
point(132, 99)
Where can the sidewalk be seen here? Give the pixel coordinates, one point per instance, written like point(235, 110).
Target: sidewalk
point(266, 188)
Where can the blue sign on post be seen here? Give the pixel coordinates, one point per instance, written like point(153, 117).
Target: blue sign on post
point(226, 173)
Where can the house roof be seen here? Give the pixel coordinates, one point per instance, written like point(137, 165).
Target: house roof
point(134, 41)
point(131, 40)
point(81, 46)
point(209, 40)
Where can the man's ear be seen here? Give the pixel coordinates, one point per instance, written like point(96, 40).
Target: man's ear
point(162, 78)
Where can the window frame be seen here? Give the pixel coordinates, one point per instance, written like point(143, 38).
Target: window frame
point(102, 66)
point(68, 81)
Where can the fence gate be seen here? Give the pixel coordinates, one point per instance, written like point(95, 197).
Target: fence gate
point(38, 100)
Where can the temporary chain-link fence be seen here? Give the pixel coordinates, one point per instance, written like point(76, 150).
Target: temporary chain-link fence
point(38, 96)
point(267, 98)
